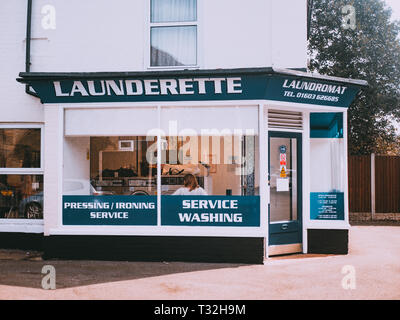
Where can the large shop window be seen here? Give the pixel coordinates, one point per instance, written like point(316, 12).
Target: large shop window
point(21, 175)
point(327, 166)
point(110, 180)
point(173, 33)
point(199, 168)
point(209, 165)
point(210, 180)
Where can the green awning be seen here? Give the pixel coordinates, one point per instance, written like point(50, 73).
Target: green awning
point(193, 85)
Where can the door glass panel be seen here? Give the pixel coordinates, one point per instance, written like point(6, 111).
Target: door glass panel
point(283, 179)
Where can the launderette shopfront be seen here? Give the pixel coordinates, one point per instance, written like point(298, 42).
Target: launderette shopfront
point(267, 146)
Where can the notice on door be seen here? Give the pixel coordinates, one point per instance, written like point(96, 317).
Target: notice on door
point(282, 162)
point(327, 206)
point(282, 185)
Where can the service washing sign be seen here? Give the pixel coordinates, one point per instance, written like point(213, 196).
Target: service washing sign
point(110, 210)
point(212, 211)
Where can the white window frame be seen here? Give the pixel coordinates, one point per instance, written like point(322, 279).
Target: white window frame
point(24, 225)
point(150, 25)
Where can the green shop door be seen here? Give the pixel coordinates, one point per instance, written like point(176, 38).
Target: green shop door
point(285, 181)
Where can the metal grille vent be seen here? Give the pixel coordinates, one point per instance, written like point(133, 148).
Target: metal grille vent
point(279, 119)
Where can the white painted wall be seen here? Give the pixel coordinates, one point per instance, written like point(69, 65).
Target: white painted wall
point(103, 35)
point(90, 35)
point(288, 21)
point(125, 121)
point(236, 33)
point(15, 104)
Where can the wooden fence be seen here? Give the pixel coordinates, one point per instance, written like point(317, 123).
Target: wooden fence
point(381, 194)
point(359, 183)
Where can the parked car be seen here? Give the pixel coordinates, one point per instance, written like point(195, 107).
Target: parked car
point(32, 206)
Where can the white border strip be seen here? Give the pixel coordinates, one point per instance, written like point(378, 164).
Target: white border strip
point(206, 103)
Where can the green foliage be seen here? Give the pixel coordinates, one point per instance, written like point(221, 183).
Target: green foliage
point(370, 52)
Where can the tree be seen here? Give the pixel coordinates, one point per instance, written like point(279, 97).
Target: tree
point(368, 50)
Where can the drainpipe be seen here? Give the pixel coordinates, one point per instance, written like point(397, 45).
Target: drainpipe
point(28, 47)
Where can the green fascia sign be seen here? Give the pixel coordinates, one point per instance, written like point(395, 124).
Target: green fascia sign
point(193, 85)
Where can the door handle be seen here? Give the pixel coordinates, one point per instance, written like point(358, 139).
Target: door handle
point(285, 226)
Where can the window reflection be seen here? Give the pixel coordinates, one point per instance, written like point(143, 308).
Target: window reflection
point(21, 196)
point(120, 165)
point(200, 165)
point(222, 165)
point(20, 148)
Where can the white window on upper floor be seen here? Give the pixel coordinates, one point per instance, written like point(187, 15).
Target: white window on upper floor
point(173, 33)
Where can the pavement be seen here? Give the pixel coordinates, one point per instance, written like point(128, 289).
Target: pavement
point(371, 271)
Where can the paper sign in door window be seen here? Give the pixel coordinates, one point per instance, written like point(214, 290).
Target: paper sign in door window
point(283, 172)
point(282, 185)
point(282, 161)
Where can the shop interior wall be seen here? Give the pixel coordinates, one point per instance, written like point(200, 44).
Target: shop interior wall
point(76, 160)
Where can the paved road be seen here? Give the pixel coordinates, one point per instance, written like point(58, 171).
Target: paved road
point(374, 256)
